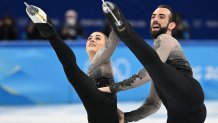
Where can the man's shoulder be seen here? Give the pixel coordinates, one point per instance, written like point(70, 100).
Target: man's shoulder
point(166, 38)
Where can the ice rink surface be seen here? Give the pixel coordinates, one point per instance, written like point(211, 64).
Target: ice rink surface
point(75, 113)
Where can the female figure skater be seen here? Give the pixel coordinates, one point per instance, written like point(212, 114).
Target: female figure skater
point(168, 67)
point(101, 107)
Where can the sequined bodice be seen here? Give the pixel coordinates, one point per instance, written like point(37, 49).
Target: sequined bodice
point(102, 78)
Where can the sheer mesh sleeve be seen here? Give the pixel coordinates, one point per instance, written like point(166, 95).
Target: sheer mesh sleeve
point(136, 80)
point(105, 54)
point(149, 107)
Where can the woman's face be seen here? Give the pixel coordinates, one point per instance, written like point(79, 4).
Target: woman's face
point(95, 42)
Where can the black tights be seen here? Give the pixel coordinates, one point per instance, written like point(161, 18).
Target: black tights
point(181, 94)
point(101, 107)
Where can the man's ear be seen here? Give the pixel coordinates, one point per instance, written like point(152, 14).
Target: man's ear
point(172, 25)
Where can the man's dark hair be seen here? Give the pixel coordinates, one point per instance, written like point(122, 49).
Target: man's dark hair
point(173, 16)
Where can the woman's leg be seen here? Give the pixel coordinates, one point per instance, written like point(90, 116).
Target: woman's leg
point(99, 105)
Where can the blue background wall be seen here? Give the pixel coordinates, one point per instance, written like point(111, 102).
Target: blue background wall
point(201, 15)
point(30, 73)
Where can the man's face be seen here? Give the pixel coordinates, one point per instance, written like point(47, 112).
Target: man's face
point(159, 22)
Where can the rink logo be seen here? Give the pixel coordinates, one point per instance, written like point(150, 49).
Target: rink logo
point(206, 73)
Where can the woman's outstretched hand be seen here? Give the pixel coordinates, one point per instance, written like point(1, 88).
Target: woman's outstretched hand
point(105, 89)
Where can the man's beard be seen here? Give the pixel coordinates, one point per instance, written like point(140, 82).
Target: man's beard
point(162, 30)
